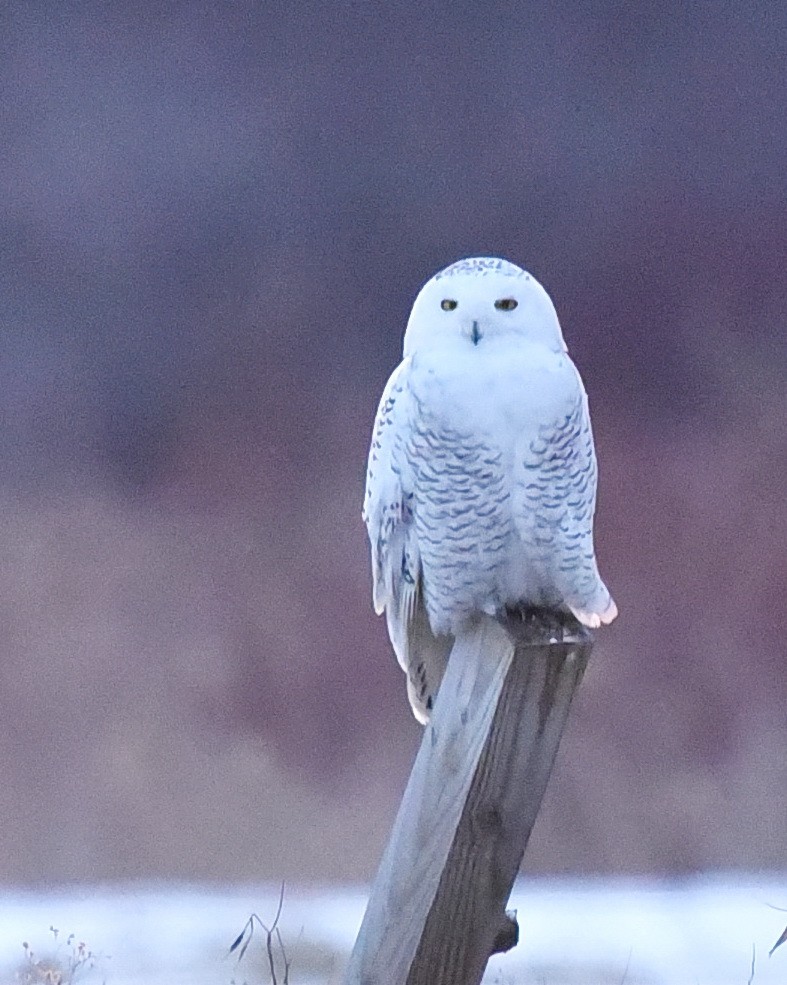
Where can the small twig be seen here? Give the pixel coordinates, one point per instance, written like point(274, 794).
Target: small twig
point(626, 969)
point(284, 958)
point(269, 940)
point(779, 942)
point(753, 960)
point(245, 936)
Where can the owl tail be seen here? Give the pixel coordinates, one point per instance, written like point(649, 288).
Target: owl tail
point(422, 655)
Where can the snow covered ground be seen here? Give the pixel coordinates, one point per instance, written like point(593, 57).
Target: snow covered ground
point(594, 932)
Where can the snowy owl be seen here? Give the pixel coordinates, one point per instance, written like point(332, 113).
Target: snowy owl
point(481, 483)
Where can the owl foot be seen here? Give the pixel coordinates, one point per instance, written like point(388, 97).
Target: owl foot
point(595, 619)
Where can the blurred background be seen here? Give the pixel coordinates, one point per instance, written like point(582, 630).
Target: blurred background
point(215, 217)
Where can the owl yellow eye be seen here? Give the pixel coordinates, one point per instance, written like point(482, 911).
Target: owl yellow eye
point(448, 304)
point(506, 304)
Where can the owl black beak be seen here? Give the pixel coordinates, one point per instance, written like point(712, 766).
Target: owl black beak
point(475, 335)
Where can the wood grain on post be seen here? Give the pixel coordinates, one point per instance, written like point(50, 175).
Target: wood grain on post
point(437, 907)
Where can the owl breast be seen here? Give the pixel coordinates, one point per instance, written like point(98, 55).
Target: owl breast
point(474, 418)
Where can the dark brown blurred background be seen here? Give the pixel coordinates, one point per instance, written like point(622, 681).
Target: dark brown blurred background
point(215, 217)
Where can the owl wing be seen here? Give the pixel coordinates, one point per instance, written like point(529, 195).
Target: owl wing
point(555, 501)
point(397, 575)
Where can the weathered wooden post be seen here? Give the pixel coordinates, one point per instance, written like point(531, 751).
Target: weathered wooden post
point(437, 907)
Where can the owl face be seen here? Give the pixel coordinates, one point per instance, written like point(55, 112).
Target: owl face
point(481, 302)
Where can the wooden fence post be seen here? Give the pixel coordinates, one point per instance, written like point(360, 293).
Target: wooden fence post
point(437, 907)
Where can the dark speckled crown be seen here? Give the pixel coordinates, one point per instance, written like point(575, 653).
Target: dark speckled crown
point(481, 266)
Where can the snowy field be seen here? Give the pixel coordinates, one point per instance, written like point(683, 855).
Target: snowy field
point(697, 931)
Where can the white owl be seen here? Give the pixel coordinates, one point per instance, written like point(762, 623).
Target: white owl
point(481, 486)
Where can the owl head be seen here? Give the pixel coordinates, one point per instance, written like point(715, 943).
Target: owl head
point(479, 302)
